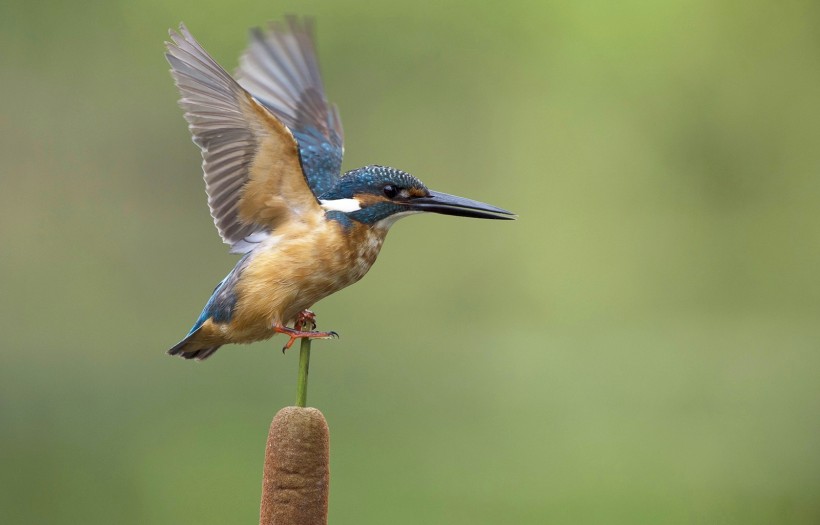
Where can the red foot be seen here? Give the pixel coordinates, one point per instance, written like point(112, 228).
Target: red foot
point(305, 318)
point(299, 334)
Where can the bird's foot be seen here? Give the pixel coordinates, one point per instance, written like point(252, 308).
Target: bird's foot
point(295, 334)
point(304, 319)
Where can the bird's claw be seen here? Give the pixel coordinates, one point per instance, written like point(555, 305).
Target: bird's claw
point(295, 334)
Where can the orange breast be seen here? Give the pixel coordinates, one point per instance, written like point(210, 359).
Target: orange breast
point(300, 264)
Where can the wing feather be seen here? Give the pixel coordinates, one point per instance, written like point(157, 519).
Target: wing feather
point(280, 69)
point(250, 159)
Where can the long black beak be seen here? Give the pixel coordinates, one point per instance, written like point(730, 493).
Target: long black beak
point(446, 204)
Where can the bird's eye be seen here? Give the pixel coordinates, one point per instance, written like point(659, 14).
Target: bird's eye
point(390, 191)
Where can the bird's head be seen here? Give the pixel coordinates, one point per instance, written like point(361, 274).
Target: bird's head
point(379, 196)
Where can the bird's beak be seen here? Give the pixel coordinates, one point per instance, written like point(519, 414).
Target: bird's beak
point(446, 204)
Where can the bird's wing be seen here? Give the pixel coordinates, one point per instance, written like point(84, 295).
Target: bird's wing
point(281, 71)
point(253, 175)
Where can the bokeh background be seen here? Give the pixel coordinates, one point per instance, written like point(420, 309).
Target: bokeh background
point(641, 346)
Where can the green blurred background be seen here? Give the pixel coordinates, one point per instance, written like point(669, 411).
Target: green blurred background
point(641, 346)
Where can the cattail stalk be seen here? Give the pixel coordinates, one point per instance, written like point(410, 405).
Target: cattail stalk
point(304, 365)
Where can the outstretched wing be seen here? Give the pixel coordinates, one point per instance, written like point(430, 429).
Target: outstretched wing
point(253, 175)
point(281, 71)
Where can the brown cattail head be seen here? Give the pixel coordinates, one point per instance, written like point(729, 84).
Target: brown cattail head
point(297, 472)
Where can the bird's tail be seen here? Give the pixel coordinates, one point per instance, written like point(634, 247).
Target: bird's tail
point(188, 348)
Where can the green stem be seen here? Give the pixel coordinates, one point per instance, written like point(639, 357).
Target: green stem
point(304, 364)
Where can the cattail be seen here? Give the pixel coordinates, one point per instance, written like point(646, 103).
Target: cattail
point(297, 473)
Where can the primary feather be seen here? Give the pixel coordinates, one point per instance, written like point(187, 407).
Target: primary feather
point(280, 69)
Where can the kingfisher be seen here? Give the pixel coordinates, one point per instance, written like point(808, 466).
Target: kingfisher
point(272, 149)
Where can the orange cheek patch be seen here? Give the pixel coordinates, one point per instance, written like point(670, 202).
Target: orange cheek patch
point(368, 199)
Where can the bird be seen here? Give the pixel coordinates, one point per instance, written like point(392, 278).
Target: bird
point(272, 148)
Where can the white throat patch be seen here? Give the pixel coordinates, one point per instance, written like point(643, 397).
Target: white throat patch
point(344, 205)
point(387, 222)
